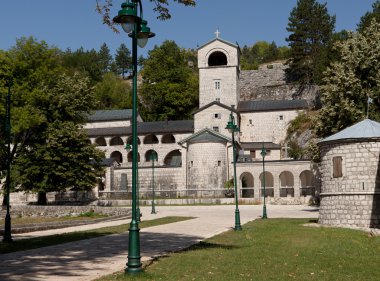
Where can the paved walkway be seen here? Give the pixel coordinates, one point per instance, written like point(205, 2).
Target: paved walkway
point(92, 258)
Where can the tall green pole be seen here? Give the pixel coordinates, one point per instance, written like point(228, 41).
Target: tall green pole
point(153, 206)
point(7, 238)
point(263, 153)
point(237, 212)
point(134, 257)
point(138, 195)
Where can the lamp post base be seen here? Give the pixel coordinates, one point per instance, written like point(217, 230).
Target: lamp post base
point(264, 212)
point(138, 215)
point(134, 258)
point(237, 220)
point(153, 209)
point(7, 238)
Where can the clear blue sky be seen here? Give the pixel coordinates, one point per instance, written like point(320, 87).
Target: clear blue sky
point(75, 23)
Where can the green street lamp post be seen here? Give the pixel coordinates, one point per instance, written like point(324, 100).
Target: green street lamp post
point(153, 157)
point(128, 148)
point(138, 30)
point(263, 153)
point(233, 128)
point(7, 236)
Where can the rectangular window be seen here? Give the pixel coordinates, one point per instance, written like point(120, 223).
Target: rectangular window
point(191, 164)
point(337, 166)
point(217, 115)
point(250, 121)
point(252, 153)
point(219, 163)
point(216, 129)
point(217, 85)
point(217, 99)
point(281, 117)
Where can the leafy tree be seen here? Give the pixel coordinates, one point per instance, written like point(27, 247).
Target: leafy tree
point(123, 59)
point(161, 7)
point(350, 81)
point(113, 93)
point(47, 103)
point(105, 59)
point(366, 20)
point(261, 52)
point(83, 61)
point(311, 28)
point(170, 86)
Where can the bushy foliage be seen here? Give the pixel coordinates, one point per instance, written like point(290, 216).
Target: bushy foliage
point(49, 104)
point(350, 81)
point(262, 52)
point(170, 88)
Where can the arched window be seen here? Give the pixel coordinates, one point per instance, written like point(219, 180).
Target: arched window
point(116, 141)
point(247, 185)
point(100, 141)
point(148, 155)
point(129, 140)
point(307, 183)
point(130, 157)
point(217, 58)
point(306, 178)
point(173, 158)
point(150, 139)
point(168, 139)
point(269, 184)
point(286, 184)
point(117, 156)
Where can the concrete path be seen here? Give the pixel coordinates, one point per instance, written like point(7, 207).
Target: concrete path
point(92, 258)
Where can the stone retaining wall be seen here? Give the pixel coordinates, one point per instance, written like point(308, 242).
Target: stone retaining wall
point(352, 210)
point(60, 211)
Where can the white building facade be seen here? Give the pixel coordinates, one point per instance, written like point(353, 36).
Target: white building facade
point(195, 157)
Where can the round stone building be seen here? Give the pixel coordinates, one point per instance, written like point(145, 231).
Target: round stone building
point(350, 190)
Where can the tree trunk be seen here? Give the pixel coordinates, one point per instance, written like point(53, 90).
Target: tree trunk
point(42, 199)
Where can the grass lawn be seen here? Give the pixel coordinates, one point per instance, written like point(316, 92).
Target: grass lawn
point(33, 243)
point(273, 249)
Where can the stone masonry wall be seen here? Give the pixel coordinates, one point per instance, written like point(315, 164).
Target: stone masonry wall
point(353, 199)
point(265, 126)
point(270, 84)
point(59, 211)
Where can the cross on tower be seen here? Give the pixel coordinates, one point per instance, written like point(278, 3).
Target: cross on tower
point(217, 33)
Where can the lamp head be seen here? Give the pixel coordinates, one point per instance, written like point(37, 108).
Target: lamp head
point(144, 34)
point(263, 151)
point(127, 16)
point(128, 147)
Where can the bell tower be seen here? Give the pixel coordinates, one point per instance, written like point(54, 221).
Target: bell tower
point(218, 63)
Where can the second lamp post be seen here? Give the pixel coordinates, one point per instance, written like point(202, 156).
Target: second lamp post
point(153, 157)
point(233, 128)
point(130, 17)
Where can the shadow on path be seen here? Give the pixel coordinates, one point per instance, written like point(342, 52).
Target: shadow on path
point(70, 261)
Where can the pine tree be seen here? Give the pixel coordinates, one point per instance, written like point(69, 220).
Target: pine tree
point(105, 58)
point(123, 60)
point(367, 18)
point(311, 28)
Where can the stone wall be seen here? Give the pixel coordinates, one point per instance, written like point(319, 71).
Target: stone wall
point(270, 84)
point(353, 210)
point(265, 126)
point(165, 179)
point(60, 211)
point(206, 119)
point(208, 165)
point(354, 198)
